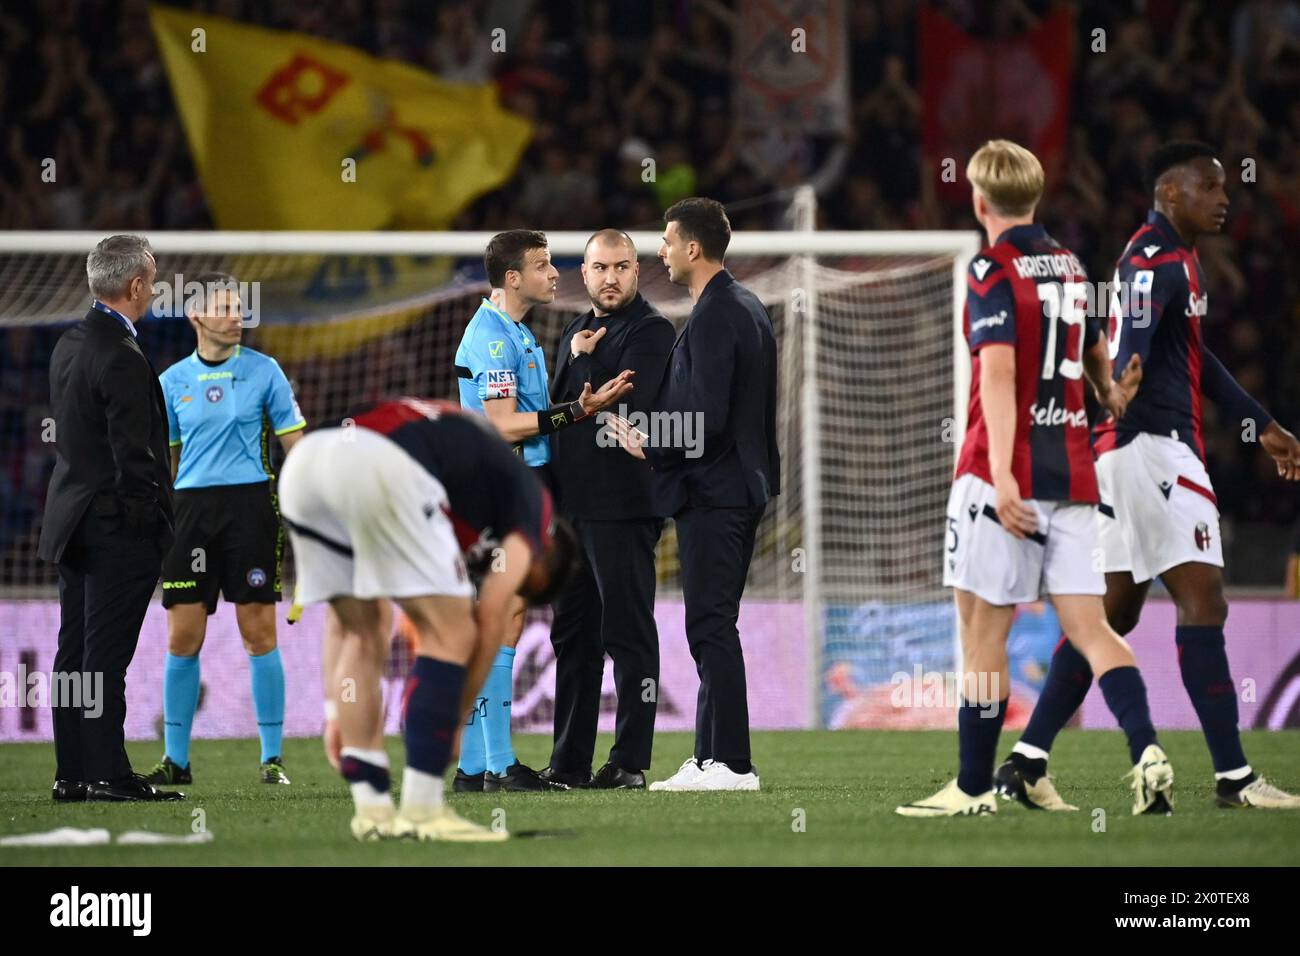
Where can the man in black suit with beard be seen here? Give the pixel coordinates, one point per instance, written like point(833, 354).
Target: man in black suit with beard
point(107, 522)
point(608, 607)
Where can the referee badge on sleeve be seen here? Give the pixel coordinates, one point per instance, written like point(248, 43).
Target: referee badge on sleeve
point(501, 383)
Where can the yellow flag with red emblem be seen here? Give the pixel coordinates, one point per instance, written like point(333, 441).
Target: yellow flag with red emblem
point(291, 132)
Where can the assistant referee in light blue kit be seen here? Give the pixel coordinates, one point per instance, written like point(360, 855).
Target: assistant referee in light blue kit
point(223, 403)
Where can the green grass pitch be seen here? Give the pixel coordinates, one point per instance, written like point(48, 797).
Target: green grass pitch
point(842, 787)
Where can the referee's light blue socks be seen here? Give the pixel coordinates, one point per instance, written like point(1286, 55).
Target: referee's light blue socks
point(473, 752)
point(267, 674)
point(180, 700)
point(499, 690)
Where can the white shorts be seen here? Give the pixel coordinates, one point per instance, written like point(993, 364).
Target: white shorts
point(367, 521)
point(982, 557)
point(1158, 509)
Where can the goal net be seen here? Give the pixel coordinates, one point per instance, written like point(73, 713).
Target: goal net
point(847, 557)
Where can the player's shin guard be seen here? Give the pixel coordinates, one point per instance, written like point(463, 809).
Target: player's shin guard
point(1126, 696)
point(1065, 687)
point(499, 690)
point(266, 671)
point(180, 700)
point(431, 714)
point(1204, 665)
point(978, 727)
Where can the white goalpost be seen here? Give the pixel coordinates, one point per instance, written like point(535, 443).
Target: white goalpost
point(874, 378)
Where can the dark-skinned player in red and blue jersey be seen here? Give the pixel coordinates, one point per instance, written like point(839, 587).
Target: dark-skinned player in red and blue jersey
point(1158, 515)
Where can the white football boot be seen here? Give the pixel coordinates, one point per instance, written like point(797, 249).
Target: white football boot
point(373, 823)
point(444, 825)
point(951, 801)
point(1260, 793)
point(1152, 782)
point(1010, 783)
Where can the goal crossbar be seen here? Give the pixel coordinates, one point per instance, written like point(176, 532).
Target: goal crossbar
point(744, 243)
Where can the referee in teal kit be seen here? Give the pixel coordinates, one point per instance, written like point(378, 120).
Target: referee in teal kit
point(223, 402)
point(502, 375)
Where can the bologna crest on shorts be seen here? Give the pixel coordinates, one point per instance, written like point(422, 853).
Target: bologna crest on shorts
point(1202, 536)
point(214, 393)
point(256, 578)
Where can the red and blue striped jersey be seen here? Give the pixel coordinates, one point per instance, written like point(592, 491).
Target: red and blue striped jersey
point(1028, 291)
point(490, 491)
point(1156, 310)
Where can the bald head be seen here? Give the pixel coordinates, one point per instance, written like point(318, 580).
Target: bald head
point(610, 270)
point(612, 238)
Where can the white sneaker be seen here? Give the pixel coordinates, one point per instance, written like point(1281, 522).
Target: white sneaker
point(951, 801)
point(1152, 782)
point(1260, 793)
point(718, 776)
point(686, 773)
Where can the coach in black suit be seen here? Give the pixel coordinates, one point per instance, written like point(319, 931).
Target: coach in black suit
point(107, 519)
point(714, 454)
point(608, 607)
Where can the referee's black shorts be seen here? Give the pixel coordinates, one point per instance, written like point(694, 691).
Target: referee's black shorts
point(229, 540)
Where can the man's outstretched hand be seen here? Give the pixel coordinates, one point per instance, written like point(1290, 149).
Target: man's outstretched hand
point(1283, 448)
point(609, 393)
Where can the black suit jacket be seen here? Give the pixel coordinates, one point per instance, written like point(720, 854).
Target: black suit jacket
point(110, 430)
point(723, 367)
point(598, 482)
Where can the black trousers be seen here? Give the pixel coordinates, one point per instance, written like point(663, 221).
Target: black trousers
point(608, 608)
point(106, 579)
point(715, 546)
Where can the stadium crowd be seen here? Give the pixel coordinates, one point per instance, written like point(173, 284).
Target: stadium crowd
point(605, 85)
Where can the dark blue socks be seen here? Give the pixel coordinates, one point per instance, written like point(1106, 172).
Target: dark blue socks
point(1066, 685)
point(1204, 665)
point(978, 727)
point(1126, 696)
point(431, 713)
point(356, 770)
